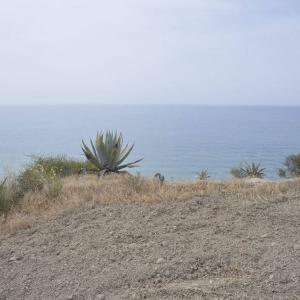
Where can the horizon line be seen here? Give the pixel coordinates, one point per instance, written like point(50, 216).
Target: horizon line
point(145, 104)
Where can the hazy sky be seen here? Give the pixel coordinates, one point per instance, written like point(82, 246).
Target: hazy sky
point(150, 51)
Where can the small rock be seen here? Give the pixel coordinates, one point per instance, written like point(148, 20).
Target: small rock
point(164, 243)
point(100, 297)
point(189, 277)
point(15, 258)
point(297, 247)
point(82, 171)
point(160, 260)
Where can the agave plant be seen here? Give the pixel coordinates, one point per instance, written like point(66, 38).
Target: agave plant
point(253, 170)
point(107, 154)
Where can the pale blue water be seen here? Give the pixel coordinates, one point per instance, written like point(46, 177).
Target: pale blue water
point(177, 141)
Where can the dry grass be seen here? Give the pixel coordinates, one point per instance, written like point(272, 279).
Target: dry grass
point(78, 190)
point(17, 221)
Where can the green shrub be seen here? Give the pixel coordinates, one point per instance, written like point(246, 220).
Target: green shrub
point(31, 179)
point(291, 166)
point(62, 165)
point(6, 198)
point(252, 170)
point(236, 172)
point(35, 177)
point(45, 172)
point(53, 187)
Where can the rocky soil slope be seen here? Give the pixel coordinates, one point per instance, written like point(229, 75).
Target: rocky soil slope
point(203, 248)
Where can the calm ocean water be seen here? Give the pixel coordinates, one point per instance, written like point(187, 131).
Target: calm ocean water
point(177, 141)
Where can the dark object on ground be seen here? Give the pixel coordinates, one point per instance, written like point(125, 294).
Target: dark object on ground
point(160, 177)
point(82, 171)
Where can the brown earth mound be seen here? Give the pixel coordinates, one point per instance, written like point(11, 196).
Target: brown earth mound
point(219, 246)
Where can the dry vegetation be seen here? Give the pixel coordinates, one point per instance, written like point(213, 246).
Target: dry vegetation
point(37, 206)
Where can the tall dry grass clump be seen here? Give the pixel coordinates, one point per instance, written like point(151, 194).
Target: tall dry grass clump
point(6, 198)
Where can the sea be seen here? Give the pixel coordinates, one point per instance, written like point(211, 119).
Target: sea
point(177, 141)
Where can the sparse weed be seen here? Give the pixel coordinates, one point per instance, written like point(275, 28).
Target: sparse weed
point(137, 184)
point(6, 198)
point(203, 175)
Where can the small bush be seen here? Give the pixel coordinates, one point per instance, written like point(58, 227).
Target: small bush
point(291, 166)
point(252, 170)
point(45, 173)
point(31, 179)
point(62, 165)
point(236, 172)
point(52, 184)
point(6, 198)
point(36, 178)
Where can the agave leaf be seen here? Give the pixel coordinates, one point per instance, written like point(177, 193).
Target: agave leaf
point(90, 156)
point(124, 156)
point(101, 150)
point(108, 147)
point(130, 165)
point(117, 153)
point(96, 156)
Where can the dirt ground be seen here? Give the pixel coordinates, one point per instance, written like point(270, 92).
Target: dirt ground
point(205, 248)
